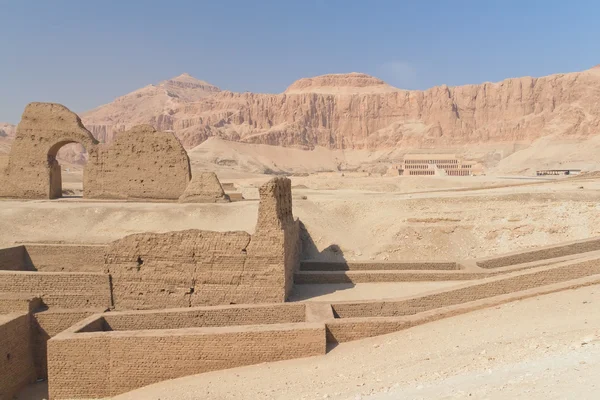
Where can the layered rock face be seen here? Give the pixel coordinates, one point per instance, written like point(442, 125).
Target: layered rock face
point(357, 111)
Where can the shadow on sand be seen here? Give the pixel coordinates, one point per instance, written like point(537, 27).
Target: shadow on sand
point(310, 251)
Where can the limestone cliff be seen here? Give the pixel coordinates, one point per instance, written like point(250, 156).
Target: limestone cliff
point(357, 111)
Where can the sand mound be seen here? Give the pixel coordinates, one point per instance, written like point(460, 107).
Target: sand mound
point(261, 158)
point(204, 188)
point(552, 152)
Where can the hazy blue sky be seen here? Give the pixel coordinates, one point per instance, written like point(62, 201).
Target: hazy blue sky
point(85, 53)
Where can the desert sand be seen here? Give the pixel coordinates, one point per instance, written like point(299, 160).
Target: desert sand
point(349, 217)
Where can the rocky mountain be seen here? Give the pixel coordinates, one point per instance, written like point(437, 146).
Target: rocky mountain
point(358, 111)
point(152, 104)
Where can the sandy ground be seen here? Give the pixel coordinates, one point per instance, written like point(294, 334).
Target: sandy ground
point(541, 348)
point(365, 217)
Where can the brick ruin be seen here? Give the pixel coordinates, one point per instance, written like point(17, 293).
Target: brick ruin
point(100, 320)
point(45, 288)
point(33, 171)
point(193, 267)
point(94, 350)
point(140, 164)
point(84, 316)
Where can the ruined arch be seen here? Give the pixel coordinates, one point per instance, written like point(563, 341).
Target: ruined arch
point(33, 171)
point(141, 163)
point(55, 170)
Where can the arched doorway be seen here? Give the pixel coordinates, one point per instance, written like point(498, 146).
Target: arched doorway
point(72, 186)
point(33, 171)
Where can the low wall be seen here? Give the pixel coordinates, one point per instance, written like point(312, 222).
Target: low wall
point(66, 257)
point(348, 329)
point(48, 324)
point(53, 258)
point(14, 259)
point(16, 361)
point(60, 289)
point(206, 317)
point(317, 265)
point(538, 254)
point(17, 302)
point(488, 288)
point(88, 364)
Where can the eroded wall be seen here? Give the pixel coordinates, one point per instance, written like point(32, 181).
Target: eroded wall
point(60, 289)
point(32, 166)
point(65, 257)
point(141, 163)
point(193, 267)
point(103, 364)
point(204, 188)
point(16, 361)
point(47, 324)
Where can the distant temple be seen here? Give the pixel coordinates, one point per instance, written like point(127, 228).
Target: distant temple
point(437, 164)
point(558, 172)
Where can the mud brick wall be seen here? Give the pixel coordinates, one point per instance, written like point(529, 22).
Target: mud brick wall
point(206, 317)
point(276, 240)
point(60, 289)
point(48, 324)
point(15, 302)
point(166, 270)
point(489, 288)
point(14, 259)
point(540, 254)
point(94, 365)
point(16, 361)
point(66, 258)
point(33, 171)
point(193, 267)
point(318, 265)
point(141, 163)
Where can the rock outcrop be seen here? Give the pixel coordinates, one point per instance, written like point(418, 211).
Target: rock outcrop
point(204, 188)
point(357, 111)
point(7, 130)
